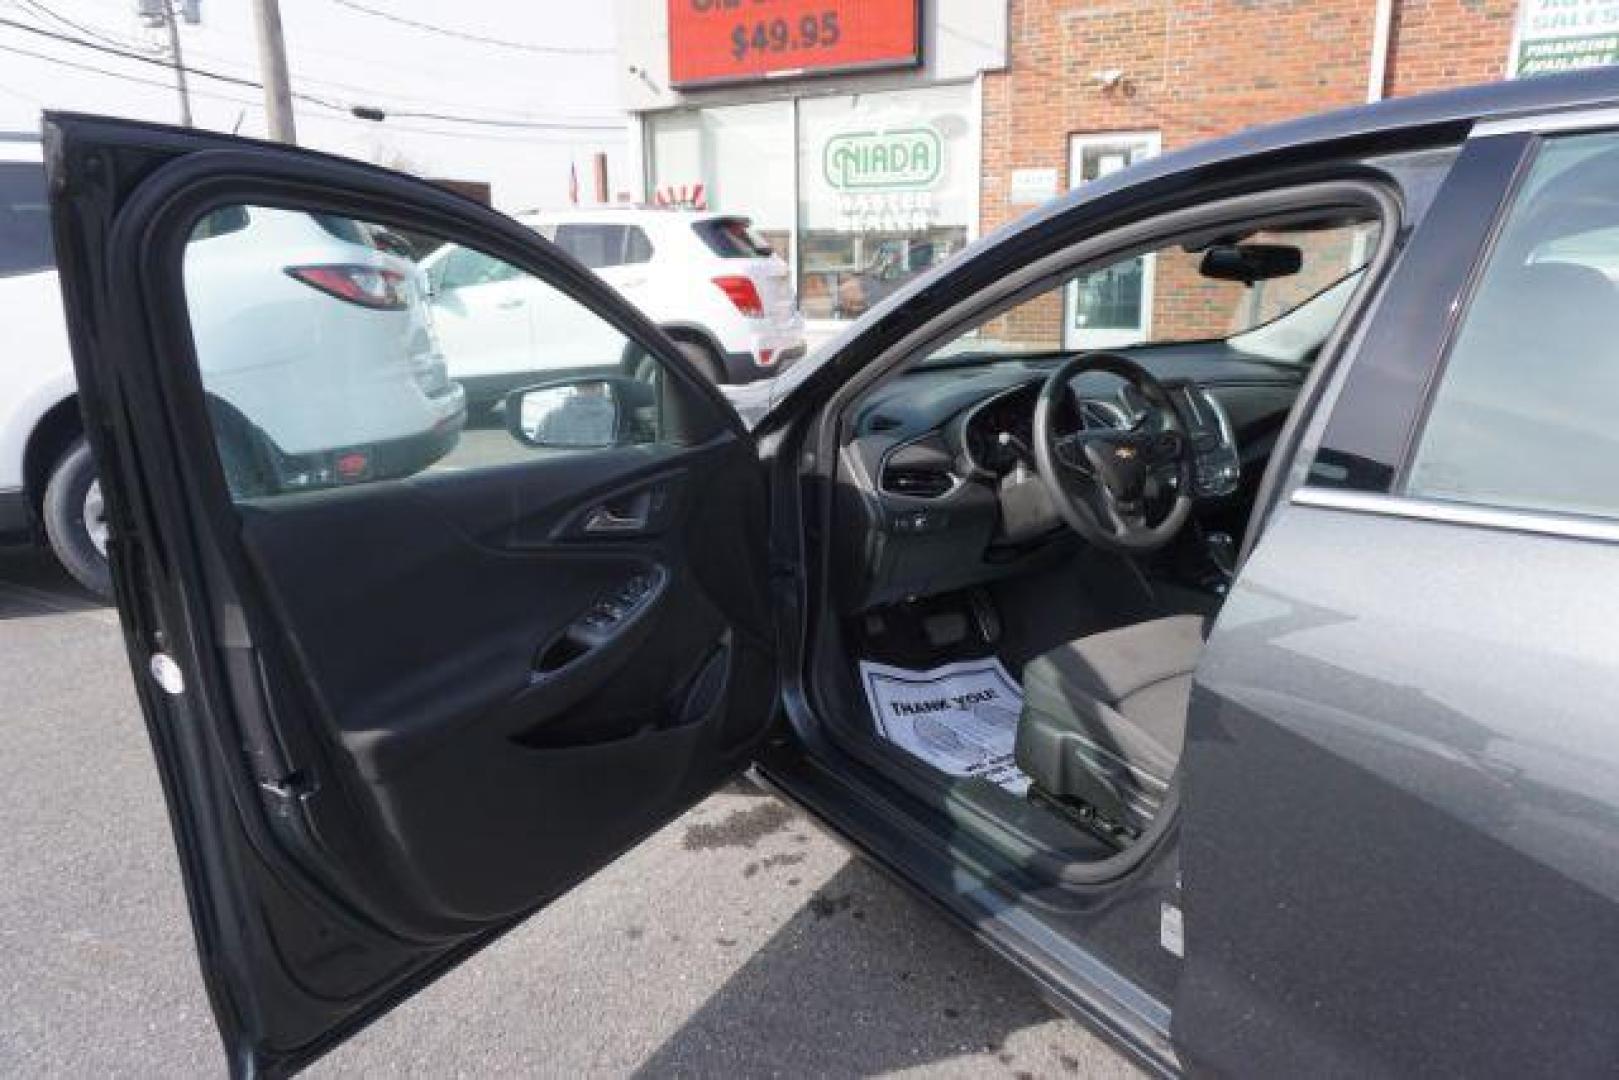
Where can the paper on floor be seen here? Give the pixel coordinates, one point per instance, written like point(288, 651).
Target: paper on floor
point(960, 718)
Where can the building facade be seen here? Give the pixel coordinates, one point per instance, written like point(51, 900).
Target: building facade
point(864, 175)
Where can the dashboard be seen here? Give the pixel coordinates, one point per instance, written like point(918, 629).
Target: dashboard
point(937, 470)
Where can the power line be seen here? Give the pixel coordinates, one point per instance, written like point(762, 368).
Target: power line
point(106, 36)
point(128, 55)
point(100, 35)
point(235, 80)
point(432, 28)
point(116, 74)
point(371, 93)
point(341, 117)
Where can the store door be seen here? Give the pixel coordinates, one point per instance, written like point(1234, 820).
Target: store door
point(1111, 307)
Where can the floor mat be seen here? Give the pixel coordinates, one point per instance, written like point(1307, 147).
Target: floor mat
point(960, 718)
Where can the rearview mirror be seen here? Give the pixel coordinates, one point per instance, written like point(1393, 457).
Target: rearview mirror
point(1249, 263)
point(576, 414)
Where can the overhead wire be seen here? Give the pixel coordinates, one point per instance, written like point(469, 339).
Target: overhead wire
point(341, 117)
point(444, 31)
point(208, 73)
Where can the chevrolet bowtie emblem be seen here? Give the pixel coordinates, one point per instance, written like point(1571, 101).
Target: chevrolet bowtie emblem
point(1124, 453)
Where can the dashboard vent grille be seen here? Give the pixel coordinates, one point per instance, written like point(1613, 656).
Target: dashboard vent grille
point(917, 483)
point(920, 470)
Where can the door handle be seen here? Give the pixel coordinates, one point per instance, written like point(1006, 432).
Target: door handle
point(631, 513)
point(611, 520)
point(507, 305)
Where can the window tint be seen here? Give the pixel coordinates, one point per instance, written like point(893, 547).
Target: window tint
point(732, 238)
point(637, 248)
point(222, 222)
point(343, 228)
point(597, 245)
point(1525, 412)
point(331, 374)
point(460, 267)
point(25, 219)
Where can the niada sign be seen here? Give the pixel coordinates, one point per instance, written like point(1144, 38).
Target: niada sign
point(883, 160)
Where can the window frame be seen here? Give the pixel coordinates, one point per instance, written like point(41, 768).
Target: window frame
point(1491, 508)
point(1519, 140)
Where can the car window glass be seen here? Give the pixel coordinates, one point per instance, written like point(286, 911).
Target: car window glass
point(1523, 415)
point(732, 238)
point(637, 247)
point(25, 219)
point(1274, 293)
point(329, 364)
point(597, 245)
point(461, 267)
point(222, 222)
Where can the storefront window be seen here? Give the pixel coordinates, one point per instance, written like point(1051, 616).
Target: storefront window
point(735, 159)
point(886, 184)
point(1110, 307)
point(887, 188)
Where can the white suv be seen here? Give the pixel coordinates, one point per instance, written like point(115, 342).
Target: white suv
point(708, 280)
point(246, 269)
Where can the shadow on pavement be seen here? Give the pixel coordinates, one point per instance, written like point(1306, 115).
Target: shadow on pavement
point(882, 981)
point(33, 583)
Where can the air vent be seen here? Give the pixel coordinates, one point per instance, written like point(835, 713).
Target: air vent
point(882, 422)
point(917, 483)
point(919, 470)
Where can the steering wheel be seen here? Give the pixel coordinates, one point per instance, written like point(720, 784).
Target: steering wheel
point(1107, 482)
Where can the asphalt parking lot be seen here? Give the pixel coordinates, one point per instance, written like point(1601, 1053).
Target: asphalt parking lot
point(739, 941)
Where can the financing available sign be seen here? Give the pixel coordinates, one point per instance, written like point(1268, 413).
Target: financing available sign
point(1563, 35)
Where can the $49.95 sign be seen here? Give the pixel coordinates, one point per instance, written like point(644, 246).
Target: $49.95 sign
point(720, 41)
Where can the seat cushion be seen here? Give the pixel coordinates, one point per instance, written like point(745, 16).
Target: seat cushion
point(1104, 717)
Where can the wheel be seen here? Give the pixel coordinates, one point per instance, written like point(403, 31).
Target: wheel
point(702, 358)
point(76, 520)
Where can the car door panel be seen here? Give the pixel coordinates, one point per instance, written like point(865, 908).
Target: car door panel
point(381, 738)
point(1423, 870)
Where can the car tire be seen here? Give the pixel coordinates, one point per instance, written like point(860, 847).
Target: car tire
point(75, 522)
point(703, 359)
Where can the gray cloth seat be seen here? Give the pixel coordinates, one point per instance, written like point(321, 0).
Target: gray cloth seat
point(1104, 717)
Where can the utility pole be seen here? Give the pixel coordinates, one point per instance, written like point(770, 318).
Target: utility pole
point(155, 13)
point(179, 65)
point(273, 70)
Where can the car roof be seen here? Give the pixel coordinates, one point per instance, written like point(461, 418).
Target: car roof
point(1390, 123)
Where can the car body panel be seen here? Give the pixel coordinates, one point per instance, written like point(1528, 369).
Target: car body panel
point(675, 287)
point(1401, 829)
point(38, 374)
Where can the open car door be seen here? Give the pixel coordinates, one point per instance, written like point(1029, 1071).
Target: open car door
point(408, 675)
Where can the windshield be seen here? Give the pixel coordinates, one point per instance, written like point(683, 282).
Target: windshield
point(1271, 293)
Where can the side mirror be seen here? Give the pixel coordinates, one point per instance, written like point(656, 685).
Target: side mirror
point(1249, 263)
point(588, 413)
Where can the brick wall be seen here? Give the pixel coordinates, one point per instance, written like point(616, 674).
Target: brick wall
point(1195, 69)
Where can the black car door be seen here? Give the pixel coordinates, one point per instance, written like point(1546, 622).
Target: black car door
point(409, 673)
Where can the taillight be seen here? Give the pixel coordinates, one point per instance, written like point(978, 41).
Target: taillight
point(383, 290)
point(743, 293)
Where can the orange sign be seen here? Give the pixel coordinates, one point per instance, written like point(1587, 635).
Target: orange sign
point(721, 41)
